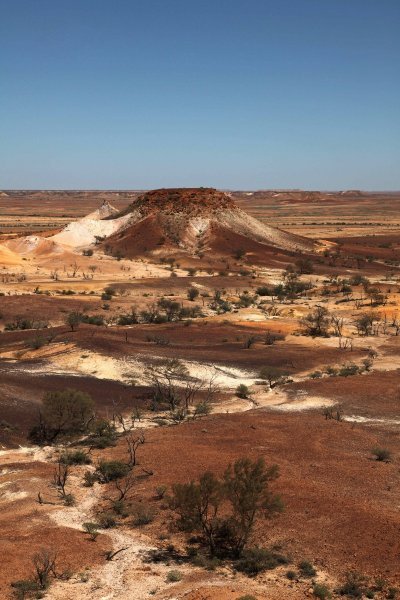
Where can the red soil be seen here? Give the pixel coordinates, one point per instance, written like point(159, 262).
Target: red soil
point(340, 505)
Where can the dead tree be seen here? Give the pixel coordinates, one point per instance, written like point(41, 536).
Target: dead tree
point(60, 477)
point(109, 554)
point(44, 563)
point(337, 324)
point(345, 343)
point(75, 268)
point(133, 443)
point(124, 486)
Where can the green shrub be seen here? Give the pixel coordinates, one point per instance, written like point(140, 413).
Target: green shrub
point(192, 293)
point(306, 569)
point(242, 391)
point(89, 479)
point(348, 370)
point(76, 457)
point(91, 529)
point(69, 499)
point(110, 470)
point(321, 591)
point(93, 319)
point(174, 576)
point(143, 514)
point(23, 588)
point(316, 375)
point(107, 521)
point(381, 454)
point(257, 560)
point(161, 491)
point(263, 290)
point(354, 585)
point(119, 507)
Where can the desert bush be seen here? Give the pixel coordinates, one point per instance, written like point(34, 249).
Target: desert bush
point(119, 507)
point(242, 391)
point(89, 479)
point(348, 370)
point(91, 529)
point(110, 470)
point(93, 319)
point(67, 412)
point(246, 300)
point(37, 342)
point(23, 323)
point(104, 434)
point(381, 454)
point(331, 371)
point(73, 319)
point(247, 597)
point(306, 569)
point(192, 293)
point(143, 514)
point(244, 494)
point(304, 266)
point(316, 323)
point(249, 342)
point(76, 457)
point(128, 318)
point(271, 337)
point(25, 588)
point(257, 560)
point(366, 322)
point(316, 375)
point(174, 576)
point(69, 499)
point(291, 575)
point(273, 375)
point(263, 290)
point(359, 280)
point(321, 591)
point(354, 585)
point(161, 490)
point(106, 521)
point(202, 409)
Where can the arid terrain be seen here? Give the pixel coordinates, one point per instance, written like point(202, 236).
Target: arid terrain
point(204, 327)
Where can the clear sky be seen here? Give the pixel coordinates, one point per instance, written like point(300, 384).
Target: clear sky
point(228, 93)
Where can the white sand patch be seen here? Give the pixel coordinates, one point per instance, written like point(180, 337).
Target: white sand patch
point(306, 404)
point(9, 496)
point(371, 420)
point(25, 454)
point(83, 232)
point(130, 369)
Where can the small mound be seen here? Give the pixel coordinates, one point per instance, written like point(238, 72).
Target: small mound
point(34, 244)
point(8, 257)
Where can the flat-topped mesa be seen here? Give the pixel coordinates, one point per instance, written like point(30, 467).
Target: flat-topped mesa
point(192, 201)
point(195, 220)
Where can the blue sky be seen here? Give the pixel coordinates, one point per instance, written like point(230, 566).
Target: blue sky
point(228, 93)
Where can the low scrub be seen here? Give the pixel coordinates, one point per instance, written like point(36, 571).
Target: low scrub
point(257, 560)
point(76, 457)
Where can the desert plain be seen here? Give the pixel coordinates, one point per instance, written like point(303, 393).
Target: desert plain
point(205, 326)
